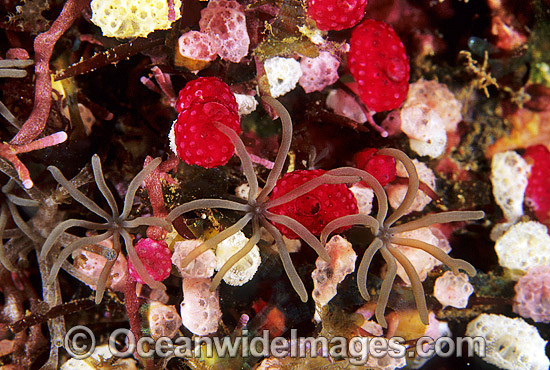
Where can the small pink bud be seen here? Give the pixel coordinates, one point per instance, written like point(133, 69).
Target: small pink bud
point(155, 256)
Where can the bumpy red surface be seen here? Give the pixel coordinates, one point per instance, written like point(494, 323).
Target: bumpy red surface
point(315, 209)
point(378, 62)
point(206, 89)
point(155, 256)
point(537, 193)
point(336, 14)
point(198, 141)
point(382, 167)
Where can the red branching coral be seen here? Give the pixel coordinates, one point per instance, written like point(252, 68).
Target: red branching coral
point(10, 151)
point(153, 185)
point(43, 48)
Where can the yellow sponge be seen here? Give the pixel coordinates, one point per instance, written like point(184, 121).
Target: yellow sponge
point(132, 18)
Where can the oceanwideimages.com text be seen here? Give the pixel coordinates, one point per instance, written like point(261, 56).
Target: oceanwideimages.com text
point(80, 343)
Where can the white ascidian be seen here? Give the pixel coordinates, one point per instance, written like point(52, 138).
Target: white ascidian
point(523, 246)
point(247, 104)
point(245, 269)
point(201, 267)
point(509, 175)
point(103, 352)
point(397, 192)
point(425, 129)
point(283, 75)
point(453, 290)
point(511, 344)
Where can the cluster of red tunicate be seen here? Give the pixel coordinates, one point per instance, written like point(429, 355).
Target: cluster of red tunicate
point(336, 14)
point(315, 209)
point(537, 193)
point(378, 62)
point(195, 139)
point(382, 167)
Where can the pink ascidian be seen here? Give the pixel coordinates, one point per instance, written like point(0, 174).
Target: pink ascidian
point(163, 320)
point(453, 290)
point(200, 309)
point(345, 105)
point(225, 22)
point(155, 256)
point(196, 50)
point(532, 298)
point(319, 72)
point(90, 265)
point(327, 275)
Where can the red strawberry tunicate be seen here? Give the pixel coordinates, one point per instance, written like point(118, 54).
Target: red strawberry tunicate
point(155, 256)
point(205, 89)
point(198, 141)
point(336, 14)
point(537, 193)
point(378, 62)
point(194, 136)
point(382, 167)
point(315, 209)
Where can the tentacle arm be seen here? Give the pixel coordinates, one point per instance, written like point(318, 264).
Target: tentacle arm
point(349, 220)
point(418, 289)
point(204, 204)
point(363, 270)
point(301, 231)
point(290, 270)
